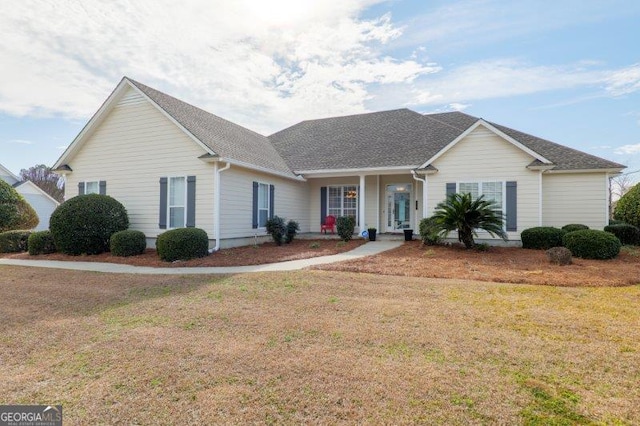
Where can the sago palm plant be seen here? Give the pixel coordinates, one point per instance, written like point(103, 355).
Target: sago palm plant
point(461, 212)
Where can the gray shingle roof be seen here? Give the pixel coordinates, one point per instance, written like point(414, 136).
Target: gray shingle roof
point(401, 138)
point(393, 138)
point(223, 137)
point(381, 139)
point(563, 157)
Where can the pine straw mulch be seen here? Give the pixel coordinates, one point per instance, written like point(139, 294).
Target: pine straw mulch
point(497, 264)
point(238, 256)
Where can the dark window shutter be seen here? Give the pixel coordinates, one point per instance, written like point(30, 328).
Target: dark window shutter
point(451, 188)
point(255, 205)
point(191, 201)
point(323, 204)
point(162, 223)
point(103, 187)
point(272, 190)
point(80, 188)
point(512, 206)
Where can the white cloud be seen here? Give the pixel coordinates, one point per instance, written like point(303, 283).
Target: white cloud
point(20, 142)
point(628, 149)
point(624, 81)
point(262, 64)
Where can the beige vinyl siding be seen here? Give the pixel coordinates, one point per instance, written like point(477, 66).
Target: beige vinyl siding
point(132, 148)
point(371, 201)
point(575, 198)
point(236, 203)
point(483, 156)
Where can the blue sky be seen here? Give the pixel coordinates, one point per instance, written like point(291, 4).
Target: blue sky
point(565, 70)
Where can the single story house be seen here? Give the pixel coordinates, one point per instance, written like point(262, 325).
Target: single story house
point(41, 202)
point(174, 165)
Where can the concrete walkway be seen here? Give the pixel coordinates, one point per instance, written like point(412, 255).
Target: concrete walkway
point(368, 249)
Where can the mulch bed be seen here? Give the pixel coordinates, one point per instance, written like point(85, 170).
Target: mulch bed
point(498, 264)
point(238, 256)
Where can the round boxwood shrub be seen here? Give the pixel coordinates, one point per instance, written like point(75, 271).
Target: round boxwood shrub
point(14, 241)
point(617, 222)
point(542, 237)
point(574, 227)
point(628, 207)
point(128, 243)
point(592, 244)
point(41, 242)
point(84, 224)
point(429, 231)
point(182, 244)
point(627, 234)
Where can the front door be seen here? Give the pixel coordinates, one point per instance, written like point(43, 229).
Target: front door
point(398, 207)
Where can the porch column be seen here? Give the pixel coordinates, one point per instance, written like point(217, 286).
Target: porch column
point(425, 197)
point(362, 203)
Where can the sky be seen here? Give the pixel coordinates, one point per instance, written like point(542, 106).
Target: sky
point(564, 70)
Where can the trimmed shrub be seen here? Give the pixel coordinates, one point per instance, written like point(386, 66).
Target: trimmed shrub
point(559, 255)
point(15, 212)
point(627, 234)
point(542, 237)
point(345, 225)
point(628, 207)
point(14, 241)
point(84, 224)
point(292, 229)
point(574, 227)
point(592, 244)
point(41, 242)
point(617, 222)
point(429, 231)
point(277, 229)
point(182, 244)
point(128, 243)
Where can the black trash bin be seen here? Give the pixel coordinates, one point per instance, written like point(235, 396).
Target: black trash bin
point(408, 234)
point(372, 233)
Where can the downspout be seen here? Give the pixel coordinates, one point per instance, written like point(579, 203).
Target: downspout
point(424, 193)
point(216, 204)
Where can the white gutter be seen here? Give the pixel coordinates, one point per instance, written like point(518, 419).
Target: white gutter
point(424, 192)
point(216, 203)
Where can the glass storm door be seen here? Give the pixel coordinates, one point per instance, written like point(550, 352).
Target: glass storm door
point(398, 207)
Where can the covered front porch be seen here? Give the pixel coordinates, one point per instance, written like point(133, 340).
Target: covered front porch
point(389, 200)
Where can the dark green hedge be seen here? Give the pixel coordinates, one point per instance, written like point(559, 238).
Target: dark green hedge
point(128, 243)
point(14, 241)
point(627, 234)
point(542, 237)
point(182, 244)
point(345, 225)
point(84, 224)
point(429, 231)
point(592, 244)
point(574, 227)
point(41, 242)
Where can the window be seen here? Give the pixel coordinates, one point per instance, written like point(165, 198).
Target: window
point(492, 191)
point(177, 202)
point(92, 187)
point(263, 204)
point(343, 201)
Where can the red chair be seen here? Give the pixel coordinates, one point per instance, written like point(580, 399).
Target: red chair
point(329, 224)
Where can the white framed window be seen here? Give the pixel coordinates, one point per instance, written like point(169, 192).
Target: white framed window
point(492, 191)
point(343, 201)
point(263, 204)
point(177, 201)
point(92, 187)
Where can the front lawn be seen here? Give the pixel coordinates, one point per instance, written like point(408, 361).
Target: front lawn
point(239, 256)
point(497, 264)
point(317, 347)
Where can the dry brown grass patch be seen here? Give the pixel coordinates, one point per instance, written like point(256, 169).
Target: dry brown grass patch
point(317, 347)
